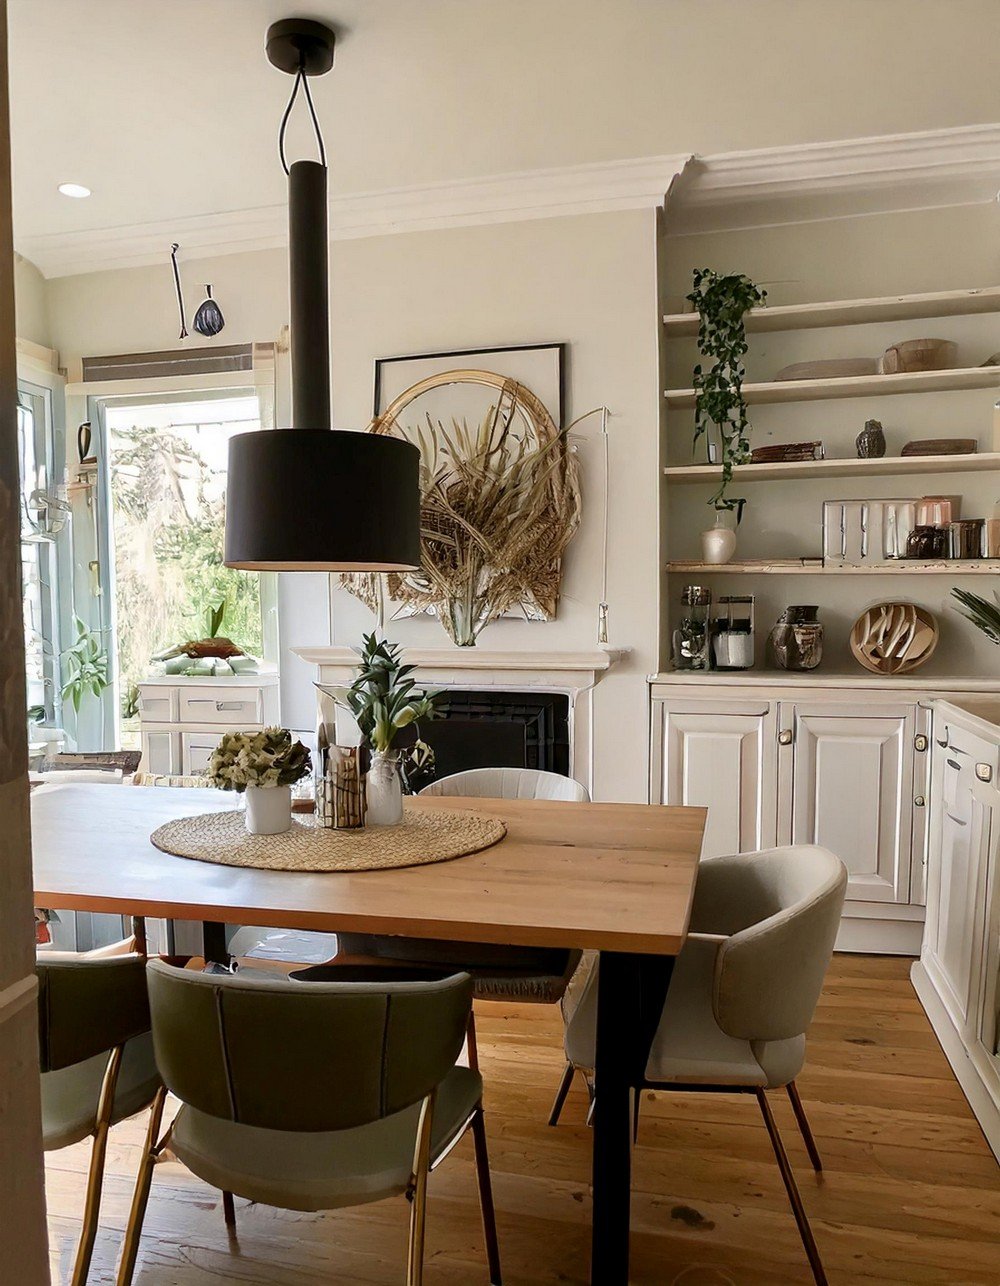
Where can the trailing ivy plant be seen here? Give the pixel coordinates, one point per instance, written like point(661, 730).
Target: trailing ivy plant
point(722, 302)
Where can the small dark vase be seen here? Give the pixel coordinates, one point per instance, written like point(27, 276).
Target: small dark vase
point(797, 639)
point(870, 442)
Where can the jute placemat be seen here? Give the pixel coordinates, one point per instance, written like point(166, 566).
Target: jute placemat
point(424, 836)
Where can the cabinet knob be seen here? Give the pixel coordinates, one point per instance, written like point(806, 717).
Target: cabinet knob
point(920, 742)
point(919, 801)
point(984, 772)
point(785, 737)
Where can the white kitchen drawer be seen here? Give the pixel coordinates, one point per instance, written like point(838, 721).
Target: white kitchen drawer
point(228, 706)
point(196, 750)
point(157, 704)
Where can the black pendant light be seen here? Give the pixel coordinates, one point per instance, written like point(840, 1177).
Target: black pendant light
point(310, 498)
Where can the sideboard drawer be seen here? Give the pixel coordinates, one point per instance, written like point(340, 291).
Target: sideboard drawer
point(231, 706)
point(196, 750)
point(157, 704)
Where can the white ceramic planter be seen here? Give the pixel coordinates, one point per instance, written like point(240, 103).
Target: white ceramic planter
point(385, 790)
point(269, 809)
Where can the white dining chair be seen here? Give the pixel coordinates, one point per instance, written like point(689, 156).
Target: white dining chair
point(743, 992)
point(510, 783)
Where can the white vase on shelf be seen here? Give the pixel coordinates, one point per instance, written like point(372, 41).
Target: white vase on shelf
point(718, 543)
point(268, 809)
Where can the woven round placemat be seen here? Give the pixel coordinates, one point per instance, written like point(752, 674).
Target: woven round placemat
point(424, 836)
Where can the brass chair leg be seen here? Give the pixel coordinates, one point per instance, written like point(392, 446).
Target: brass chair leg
point(803, 1124)
point(133, 1229)
point(486, 1197)
point(229, 1209)
point(418, 1195)
point(805, 1232)
point(561, 1092)
point(95, 1175)
point(470, 1042)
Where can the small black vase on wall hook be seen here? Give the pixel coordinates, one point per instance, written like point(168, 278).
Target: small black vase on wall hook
point(208, 320)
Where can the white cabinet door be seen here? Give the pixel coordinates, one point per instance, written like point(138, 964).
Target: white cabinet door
point(196, 750)
point(720, 756)
point(846, 782)
point(961, 833)
point(161, 753)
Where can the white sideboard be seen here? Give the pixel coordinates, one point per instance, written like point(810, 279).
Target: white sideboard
point(958, 974)
point(181, 719)
point(800, 759)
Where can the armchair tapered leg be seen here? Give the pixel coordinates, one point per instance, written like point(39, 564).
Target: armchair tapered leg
point(486, 1197)
point(804, 1129)
point(805, 1232)
point(229, 1209)
point(95, 1175)
point(417, 1194)
point(133, 1229)
point(561, 1092)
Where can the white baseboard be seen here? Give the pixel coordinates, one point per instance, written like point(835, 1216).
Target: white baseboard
point(880, 937)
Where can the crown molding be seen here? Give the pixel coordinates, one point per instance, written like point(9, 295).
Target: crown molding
point(640, 183)
point(817, 181)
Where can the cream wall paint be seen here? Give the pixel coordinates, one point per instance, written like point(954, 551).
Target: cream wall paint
point(588, 280)
point(843, 259)
point(30, 302)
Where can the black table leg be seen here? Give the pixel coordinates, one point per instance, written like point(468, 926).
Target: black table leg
point(630, 994)
point(213, 936)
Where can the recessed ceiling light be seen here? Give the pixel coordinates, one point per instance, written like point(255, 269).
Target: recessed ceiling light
point(74, 189)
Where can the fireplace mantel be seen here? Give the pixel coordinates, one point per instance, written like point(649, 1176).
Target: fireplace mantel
point(575, 673)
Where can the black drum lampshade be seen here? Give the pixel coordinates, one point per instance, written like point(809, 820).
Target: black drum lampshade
point(311, 498)
point(302, 500)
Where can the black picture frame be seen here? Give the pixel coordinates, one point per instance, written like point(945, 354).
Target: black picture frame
point(560, 349)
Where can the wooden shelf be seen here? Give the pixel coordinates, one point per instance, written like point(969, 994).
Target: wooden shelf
point(886, 466)
point(852, 386)
point(797, 567)
point(853, 312)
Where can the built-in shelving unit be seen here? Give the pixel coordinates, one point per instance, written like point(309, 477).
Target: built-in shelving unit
point(852, 312)
point(775, 391)
point(884, 466)
point(803, 567)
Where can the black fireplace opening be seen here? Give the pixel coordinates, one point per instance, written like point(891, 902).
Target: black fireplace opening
point(486, 729)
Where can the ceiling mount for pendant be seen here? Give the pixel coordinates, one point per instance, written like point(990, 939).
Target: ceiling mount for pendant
point(300, 44)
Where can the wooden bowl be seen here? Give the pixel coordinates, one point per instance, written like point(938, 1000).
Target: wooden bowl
point(894, 637)
point(919, 355)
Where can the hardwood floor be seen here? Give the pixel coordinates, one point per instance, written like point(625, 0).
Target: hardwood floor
point(910, 1193)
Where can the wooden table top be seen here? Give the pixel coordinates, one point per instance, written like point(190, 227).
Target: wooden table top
point(616, 877)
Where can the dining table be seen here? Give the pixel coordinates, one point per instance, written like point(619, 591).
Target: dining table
point(615, 878)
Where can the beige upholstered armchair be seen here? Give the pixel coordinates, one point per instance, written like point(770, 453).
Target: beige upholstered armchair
point(743, 991)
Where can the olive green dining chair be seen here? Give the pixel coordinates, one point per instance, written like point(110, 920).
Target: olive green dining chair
point(313, 1098)
point(96, 1055)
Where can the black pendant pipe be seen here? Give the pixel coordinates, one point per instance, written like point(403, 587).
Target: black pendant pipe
point(309, 281)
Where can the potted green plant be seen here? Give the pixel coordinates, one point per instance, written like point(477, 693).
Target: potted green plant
point(722, 302)
point(86, 668)
point(383, 699)
point(264, 766)
point(983, 614)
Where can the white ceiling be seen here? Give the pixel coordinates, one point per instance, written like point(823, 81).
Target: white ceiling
point(169, 110)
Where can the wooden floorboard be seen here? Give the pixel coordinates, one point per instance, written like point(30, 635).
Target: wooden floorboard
point(910, 1193)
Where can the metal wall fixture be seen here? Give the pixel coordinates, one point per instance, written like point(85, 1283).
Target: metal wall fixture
point(307, 498)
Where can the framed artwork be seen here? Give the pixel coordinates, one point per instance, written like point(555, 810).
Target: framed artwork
point(539, 367)
point(500, 496)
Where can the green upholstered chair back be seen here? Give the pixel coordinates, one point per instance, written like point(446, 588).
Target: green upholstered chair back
point(88, 1005)
point(284, 1056)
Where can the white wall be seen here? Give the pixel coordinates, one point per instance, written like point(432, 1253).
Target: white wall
point(844, 259)
point(588, 280)
point(31, 302)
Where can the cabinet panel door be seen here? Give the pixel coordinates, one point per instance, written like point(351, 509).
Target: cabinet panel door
point(161, 753)
point(960, 846)
point(724, 762)
point(851, 791)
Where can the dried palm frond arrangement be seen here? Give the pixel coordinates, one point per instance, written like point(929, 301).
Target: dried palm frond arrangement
point(500, 502)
